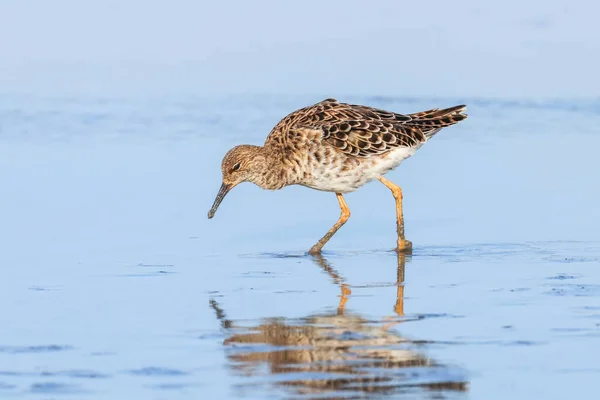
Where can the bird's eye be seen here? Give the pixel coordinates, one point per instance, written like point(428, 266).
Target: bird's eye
point(236, 167)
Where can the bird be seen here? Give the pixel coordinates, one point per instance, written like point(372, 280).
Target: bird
point(335, 147)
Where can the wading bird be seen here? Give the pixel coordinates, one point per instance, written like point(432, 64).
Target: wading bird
point(335, 147)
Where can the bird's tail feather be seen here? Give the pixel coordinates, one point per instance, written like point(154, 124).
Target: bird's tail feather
point(432, 121)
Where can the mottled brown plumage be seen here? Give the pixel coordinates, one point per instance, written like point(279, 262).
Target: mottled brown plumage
point(335, 147)
point(363, 131)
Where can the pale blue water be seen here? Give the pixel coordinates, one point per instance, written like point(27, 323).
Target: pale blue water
point(116, 285)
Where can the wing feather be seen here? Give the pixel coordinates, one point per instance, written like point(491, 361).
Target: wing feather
point(364, 131)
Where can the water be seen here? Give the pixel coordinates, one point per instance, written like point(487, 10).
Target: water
point(116, 285)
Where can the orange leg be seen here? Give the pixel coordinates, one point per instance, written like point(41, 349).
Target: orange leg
point(403, 244)
point(316, 249)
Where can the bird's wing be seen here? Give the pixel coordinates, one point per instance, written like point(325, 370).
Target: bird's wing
point(363, 131)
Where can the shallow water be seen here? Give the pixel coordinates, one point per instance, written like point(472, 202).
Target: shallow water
point(116, 285)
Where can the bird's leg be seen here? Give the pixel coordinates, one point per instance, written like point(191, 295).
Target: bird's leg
point(316, 249)
point(403, 244)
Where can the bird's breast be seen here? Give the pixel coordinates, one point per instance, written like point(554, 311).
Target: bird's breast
point(341, 173)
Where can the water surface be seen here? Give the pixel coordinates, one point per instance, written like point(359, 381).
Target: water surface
point(115, 284)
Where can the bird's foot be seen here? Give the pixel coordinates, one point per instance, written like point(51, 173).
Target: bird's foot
point(404, 246)
point(315, 250)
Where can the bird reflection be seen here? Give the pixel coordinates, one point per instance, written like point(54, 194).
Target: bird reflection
point(338, 354)
point(339, 280)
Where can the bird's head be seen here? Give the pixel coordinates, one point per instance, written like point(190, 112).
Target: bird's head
point(244, 163)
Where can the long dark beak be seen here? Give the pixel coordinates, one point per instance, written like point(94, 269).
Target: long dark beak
point(225, 188)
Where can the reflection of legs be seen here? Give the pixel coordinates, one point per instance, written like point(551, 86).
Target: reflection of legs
point(337, 279)
point(343, 218)
point(399, 308)
point(343, 298)
point(403, 244)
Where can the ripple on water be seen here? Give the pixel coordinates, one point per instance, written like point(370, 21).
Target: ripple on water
point(572, 289)
point(34, 349)
point(78, 374)
point(6, 386)
point(170, 386)
point(55, 388)
point(157, 371)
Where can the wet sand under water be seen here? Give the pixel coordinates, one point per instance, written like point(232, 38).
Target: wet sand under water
point(115, 285)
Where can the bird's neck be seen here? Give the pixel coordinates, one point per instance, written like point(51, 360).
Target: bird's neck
point(273, 175)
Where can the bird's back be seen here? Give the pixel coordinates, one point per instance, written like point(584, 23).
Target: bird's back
point(339, 147)
point(362, 131)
